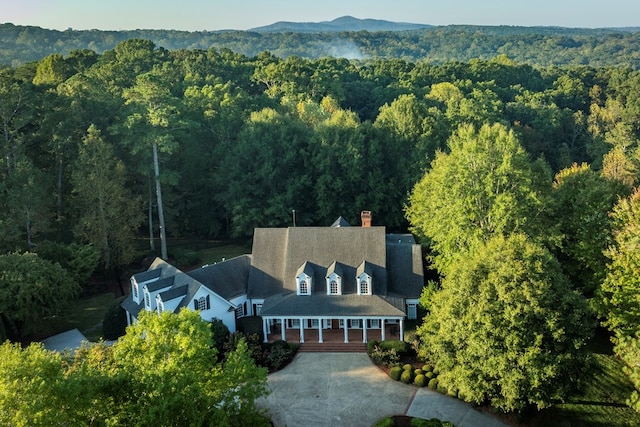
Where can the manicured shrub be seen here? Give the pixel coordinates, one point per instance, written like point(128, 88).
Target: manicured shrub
point(442, 388)
point(429, 375)
point(400, 347)
point(395, 373)
point(114, 322)
point(427, 368)
point(371, 345)
point(407, 367)
point(420, 380)
point(452, 392)
point(417, 372)
point(278, 354)
point(433, 384)
point(436, 371)
point(384, 357)
point(406, 377)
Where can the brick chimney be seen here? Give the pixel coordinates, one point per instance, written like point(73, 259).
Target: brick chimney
point(365, 216)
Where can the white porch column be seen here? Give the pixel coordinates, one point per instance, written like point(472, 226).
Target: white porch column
point(301, 331)
point(364, 331)
point(265, 329)
point(382, 337)
point(401, 329)
point(283, 328)
point(320, 330)
point(346, 330)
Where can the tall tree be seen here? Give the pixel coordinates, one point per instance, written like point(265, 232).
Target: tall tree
point(32, 289)
point(620, 292)
point(152, 121)
point(109, 215)
point(583, 200)
point(484, 186)
point(506, 326)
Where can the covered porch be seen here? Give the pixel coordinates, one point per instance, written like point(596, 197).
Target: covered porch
point(342, 330)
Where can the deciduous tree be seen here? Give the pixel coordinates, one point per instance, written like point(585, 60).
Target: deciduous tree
point(483, 187)
point(506, 326)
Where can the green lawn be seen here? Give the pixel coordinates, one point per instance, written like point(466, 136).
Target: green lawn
point(85, 314)
point(600, 403)
point(220, 250)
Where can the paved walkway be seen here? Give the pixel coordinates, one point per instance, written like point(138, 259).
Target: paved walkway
point(347, 389)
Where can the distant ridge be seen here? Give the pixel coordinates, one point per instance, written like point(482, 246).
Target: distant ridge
point(344, 23)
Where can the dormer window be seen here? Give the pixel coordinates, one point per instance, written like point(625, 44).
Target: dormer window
point(304, 279)
point(334, 289)
point(147, 300)
point(364, 278)
point(134, 289)
point(334, 279)
point(304, 287)
point(364, 287)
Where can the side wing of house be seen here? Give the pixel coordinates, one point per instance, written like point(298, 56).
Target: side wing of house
point(165, 288)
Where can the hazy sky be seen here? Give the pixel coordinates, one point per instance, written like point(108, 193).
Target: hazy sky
point(243, 14)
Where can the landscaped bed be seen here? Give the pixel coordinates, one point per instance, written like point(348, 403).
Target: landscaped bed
point(601, 401)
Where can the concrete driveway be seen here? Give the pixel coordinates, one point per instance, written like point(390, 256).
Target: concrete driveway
point(347, 389)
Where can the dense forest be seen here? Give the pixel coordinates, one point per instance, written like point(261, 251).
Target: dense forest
point(493, 163)
point(543, 46)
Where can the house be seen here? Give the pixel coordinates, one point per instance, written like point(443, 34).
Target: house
point(298, 279)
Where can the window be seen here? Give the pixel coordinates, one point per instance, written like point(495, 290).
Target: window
point(295, 323)
point(147, 299)
point(160, 307)
point(333, 287)
point(374, 323)
point(364, 287)
point(315, 323)
point(202, 303)
point(258, 309)
point(412, 311)
point(240, 311)
point(304, 287)
point(354, 323)
point(134, 287)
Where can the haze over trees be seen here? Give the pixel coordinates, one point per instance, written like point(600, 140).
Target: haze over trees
point(506, 171)
point(544, 46)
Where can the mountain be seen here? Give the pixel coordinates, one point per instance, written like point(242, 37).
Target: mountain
point(342, 24)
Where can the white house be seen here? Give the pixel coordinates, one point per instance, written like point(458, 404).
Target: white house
point(337, 277)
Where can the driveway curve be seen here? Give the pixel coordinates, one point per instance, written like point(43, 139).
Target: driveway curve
point(347, 389)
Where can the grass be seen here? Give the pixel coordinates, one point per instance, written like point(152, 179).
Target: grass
point(85, 314)
point(220, 250)
point(601, 401)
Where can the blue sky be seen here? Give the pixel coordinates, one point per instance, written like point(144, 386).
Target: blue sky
point(195, 15)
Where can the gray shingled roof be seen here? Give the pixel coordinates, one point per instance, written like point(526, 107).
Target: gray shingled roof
point(130, 305)
point(406, 274)
point(278, 253)
point(341, 222)
point(177, 292)
point(160, 284)
point(291, 304)
point(227, 278)
point(147, 275)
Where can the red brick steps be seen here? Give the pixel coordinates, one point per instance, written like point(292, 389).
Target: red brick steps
point(333, 347)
